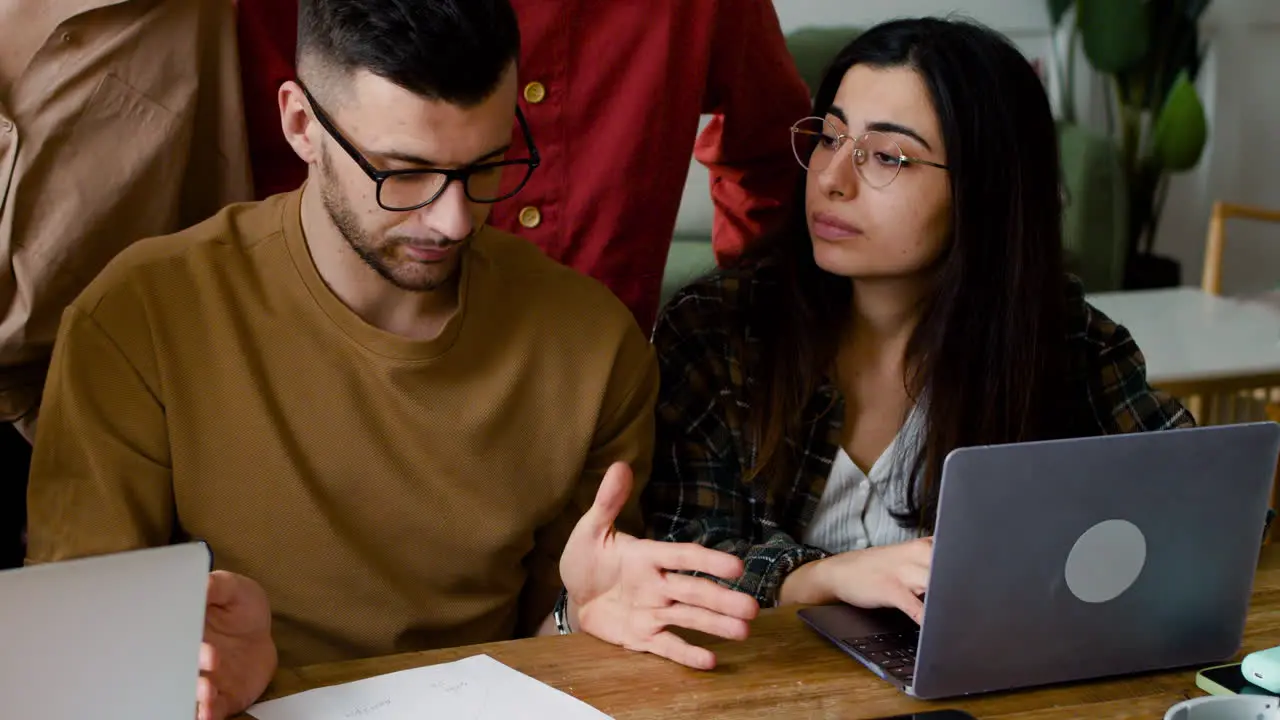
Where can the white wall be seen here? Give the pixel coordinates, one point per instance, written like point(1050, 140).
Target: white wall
point(1015, 17)
point(1240, 84)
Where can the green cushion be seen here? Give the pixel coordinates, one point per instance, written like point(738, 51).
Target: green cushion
point(813, 48)
point(690, 258)
point(1094, 220)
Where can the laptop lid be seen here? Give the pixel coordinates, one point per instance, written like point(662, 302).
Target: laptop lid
point(1075, 559)
point(113, 637)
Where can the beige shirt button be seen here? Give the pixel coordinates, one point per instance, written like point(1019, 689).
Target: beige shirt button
point(535, 92)
point(530, 217)
point(67, 37)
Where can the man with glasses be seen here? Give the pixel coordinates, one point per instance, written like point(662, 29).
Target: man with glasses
point(613, 91)
point(389, 422)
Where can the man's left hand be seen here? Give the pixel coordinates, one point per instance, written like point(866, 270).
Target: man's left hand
point(628, 591)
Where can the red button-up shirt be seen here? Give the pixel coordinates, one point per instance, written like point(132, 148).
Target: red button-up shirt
point(612, 92)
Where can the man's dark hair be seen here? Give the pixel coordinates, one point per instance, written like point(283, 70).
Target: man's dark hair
point(450, 50)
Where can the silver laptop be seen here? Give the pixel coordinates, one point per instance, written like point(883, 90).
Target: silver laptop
point(113, 637)
point(1076, 559)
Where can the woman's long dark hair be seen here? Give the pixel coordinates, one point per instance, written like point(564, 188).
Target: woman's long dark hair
point(991, 338)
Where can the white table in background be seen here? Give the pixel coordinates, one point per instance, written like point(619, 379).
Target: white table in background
point(1199, 344)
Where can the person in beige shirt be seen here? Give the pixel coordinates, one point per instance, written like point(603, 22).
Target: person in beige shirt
point(119, 120)
point(396, 428)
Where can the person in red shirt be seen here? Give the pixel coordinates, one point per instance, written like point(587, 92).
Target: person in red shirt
point(612, 92)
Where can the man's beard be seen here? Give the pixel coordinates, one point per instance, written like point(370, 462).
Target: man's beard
point(348, 225)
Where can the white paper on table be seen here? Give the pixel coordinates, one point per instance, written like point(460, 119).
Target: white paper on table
point(477, 688)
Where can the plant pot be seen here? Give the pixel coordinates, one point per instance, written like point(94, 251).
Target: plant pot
point(1144, 272)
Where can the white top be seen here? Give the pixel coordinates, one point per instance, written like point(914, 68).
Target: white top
point(1189, 335)
point(854, 511)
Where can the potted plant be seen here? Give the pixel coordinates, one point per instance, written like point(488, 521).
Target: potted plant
point(1150, 53)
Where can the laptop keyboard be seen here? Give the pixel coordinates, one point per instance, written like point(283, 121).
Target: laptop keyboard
point(895, 652)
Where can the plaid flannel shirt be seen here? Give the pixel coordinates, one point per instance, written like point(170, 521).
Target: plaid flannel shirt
point(696, 492)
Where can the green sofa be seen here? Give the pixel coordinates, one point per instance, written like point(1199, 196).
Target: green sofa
point(1093, 220)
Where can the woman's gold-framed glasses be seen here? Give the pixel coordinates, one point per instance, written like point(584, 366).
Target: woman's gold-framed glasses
point(877, 157)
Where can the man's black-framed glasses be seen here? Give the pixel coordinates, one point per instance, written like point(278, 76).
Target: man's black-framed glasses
point(405, 190)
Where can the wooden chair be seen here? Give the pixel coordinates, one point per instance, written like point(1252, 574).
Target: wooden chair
point(1211, 280)
point(1239, 405)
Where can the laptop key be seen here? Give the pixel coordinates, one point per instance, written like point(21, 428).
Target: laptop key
point(865, 645)
point(895, 639)
point(883, 641)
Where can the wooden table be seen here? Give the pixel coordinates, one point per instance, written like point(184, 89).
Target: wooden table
point(786, 671)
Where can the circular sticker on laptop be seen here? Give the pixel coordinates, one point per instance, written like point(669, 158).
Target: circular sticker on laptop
point(1106, 560)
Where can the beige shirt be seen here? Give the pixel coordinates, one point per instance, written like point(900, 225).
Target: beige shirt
point(126, 122)
point(390, 494)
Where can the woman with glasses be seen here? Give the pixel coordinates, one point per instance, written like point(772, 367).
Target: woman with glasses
point(915, 302)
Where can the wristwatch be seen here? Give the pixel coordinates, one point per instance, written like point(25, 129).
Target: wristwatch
point(561, 613)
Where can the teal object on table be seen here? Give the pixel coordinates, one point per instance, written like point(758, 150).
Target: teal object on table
point(1262, 668)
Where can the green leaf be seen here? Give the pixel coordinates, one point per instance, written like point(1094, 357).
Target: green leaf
point(1058, 8)
point(1175, 46)
point(1181, 128)
point(1114, 33)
